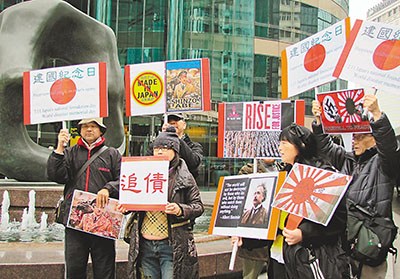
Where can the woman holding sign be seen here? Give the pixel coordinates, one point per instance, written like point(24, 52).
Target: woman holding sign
point(161, 243)
point(311, 249)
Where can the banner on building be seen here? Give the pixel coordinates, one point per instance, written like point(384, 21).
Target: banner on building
point(168, 86)
point(243, 206)
point(144, 183)
point(251, 129)
point(342, 112)
point(312, 193)
point(311, 62)
point(371, 56)
point(87, 217)
point(65, 93)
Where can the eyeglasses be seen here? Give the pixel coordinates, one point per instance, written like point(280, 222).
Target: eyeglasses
point(161, 148)
point(360, 136)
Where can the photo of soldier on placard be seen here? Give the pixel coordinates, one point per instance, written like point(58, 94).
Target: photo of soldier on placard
point(184, 85)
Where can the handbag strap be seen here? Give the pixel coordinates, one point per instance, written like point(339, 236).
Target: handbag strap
point(88, 162)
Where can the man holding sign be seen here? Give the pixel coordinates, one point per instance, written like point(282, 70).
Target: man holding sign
point(374, 165)
point(101, 177)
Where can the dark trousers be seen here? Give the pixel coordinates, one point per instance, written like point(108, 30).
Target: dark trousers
point(77, 247)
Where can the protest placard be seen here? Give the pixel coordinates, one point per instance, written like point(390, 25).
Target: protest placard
point(87, 217)
point(311, 62)
point(251, 129)
point(342, 112)
point(145, 88)
point(243, 206)
point(65, 93)
point(371, 56)
point(311, 193)
point(144, 183)
point(188, 85)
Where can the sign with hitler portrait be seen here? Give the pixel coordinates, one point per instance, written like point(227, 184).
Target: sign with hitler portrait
point(251, 129)
point(243, 206)
point(144, 183)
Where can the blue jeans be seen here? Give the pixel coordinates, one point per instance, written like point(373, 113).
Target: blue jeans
point(156, 259)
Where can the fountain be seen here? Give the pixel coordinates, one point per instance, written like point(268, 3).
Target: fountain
point(27, 230)
point(5, 216)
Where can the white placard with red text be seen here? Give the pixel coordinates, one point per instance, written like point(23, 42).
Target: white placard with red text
point(371, 56)
point(65, 93)
point(311, 62)
point(144, 183)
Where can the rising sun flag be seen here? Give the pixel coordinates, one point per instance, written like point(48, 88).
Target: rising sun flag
point(311, 193)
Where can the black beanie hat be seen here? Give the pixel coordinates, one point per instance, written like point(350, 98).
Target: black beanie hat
point(169, 139)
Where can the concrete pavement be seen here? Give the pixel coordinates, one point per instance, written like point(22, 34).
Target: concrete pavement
point(208, 198)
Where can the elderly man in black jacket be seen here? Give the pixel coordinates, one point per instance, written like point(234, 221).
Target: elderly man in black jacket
point(100, 177)
point(373, 165)
point(191, 152)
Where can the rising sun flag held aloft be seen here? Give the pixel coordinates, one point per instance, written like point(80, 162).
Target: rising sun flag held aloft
point(311, 193)
point(371, 56)
point(311, 62)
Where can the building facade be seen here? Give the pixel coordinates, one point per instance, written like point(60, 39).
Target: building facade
point(387, 11)
point(242, 38)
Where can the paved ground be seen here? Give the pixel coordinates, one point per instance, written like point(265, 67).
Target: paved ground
point(28, 253)
point(393, 268)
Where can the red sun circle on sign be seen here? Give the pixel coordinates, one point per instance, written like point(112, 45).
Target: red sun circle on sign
point(303, 190)
point(63, 91)
point(387, 55)
point(314, 58)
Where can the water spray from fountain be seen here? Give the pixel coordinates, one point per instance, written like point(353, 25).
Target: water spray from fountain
point(28, 229)
point(5, 216)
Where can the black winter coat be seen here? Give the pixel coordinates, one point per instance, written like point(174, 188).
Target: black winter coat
point(103, 172)
point(325, 241)
point(184, 191)
point(374, 172)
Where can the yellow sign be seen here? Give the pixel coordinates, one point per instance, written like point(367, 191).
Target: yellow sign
point(147, 88)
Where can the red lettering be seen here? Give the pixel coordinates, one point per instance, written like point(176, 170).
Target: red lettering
point(248, 116)
point(267, 115)
point(259, 116)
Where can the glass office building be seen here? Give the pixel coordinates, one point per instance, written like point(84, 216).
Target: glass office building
point(242, 38)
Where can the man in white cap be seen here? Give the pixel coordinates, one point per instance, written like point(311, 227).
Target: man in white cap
point(100, 177)
point(191, 152)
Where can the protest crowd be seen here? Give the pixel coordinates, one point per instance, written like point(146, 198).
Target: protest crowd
point(161, 242)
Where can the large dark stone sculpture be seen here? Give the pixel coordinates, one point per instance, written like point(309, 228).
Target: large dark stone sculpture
point(33, 34)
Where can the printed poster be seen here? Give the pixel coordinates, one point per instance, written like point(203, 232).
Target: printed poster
point(342, 112)
point(243, 206)
point(145, 88)
point(188, 85)
point(65, 93)
point(311, 62)
point(371, 56)
point(311, 193)
point(252, 129)
point(87, 217)
point(144, 183)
